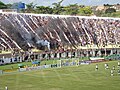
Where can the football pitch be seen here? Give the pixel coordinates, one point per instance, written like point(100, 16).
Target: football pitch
point(82, 77)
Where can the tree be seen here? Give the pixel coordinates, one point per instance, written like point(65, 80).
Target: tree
point(98, 13)
point(9, 6)
point(57, 7)
point(30, 7)
point(108, 5)
point(2, 5)
point(44, 10)
point(110, 10)
point(85, 11)
point(72, 9)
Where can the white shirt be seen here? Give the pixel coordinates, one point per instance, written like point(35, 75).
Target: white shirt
point(6, 88)
point(96, 66)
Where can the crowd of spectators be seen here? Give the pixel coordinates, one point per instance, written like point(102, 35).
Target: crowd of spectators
point(61, 31)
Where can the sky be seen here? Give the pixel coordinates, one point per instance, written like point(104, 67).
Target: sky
point(65, 2)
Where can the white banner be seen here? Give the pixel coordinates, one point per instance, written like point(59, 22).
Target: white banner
point(1, 72)
point(34, 68)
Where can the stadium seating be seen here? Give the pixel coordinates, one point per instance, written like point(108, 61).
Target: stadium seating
point(23, 31)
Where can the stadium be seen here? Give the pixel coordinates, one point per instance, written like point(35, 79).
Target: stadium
point(64, 39)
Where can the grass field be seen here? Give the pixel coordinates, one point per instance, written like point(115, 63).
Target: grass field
point(83, 77)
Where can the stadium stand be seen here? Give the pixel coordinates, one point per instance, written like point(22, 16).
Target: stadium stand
point(59, 32)
point(71, 31)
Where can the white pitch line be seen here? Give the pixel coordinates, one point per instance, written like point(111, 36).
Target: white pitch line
point(58, 75)
point(72, 74)
point(47, 76)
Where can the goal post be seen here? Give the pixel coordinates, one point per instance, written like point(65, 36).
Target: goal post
point(68, 62)
point(59, 63)
point(1, 71)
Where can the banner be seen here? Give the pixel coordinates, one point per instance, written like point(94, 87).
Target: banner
point(1, 71)
point(34, 68)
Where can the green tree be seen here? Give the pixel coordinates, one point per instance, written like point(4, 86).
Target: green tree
point(57, 8)
point(2, 5)
point(9, 6)
point(72, 9)
point(30, 8)
point(110, 10)
point(98, 13)
point(44, 10)
point(108, 5)
point(85, 11)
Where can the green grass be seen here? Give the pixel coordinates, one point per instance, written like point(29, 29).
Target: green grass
point(83, 77)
